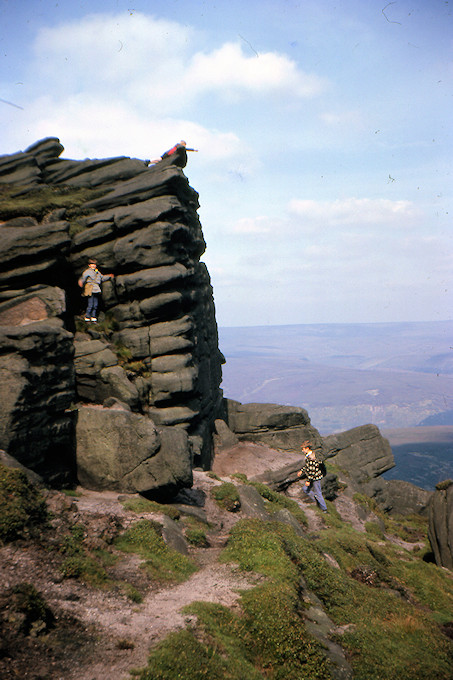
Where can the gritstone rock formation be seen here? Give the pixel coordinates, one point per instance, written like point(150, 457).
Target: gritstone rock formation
point(155, 351)
point(440, 530)
point(284, 427)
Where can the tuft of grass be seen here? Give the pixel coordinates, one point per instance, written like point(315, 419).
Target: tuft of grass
point(72, 493)
point(132, 593)
point(78, 562)
point(212, 475)
point(35, 615)
point(140, 505)
point(411, 528)
point(240, 477)
point(160, 562)
point(138, 367)
point(443, 486)
point(277, 501)
point(227, 496)
point(123, 353)
point(182, 657)
point(197, 537)
point(374, 529)
point(23, 509)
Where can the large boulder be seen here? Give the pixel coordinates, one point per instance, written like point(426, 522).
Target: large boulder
point(124, 451)
point(363, 453)
point(398, 497)
point(440, 528)
point(280, 427)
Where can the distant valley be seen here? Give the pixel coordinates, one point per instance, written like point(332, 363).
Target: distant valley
point(395, 375)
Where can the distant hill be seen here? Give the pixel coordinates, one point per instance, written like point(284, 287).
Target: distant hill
point(390, 374)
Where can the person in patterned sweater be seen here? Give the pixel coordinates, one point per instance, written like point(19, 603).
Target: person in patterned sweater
point(312, 472)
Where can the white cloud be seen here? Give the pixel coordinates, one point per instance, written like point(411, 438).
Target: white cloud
point(227, 68)
point(355, 211)
point(158, 63)
point(255, 225)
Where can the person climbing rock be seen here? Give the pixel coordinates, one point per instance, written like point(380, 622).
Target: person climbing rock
point(90, 282)
point(313, 473)
point(179, 151)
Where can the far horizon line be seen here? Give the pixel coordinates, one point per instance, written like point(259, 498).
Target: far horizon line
point(338, 323)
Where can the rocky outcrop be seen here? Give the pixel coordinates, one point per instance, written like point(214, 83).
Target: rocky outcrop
point(440, 528)
point(397, 497)
point(282, 427)
point(361, 452)
point(155, 348)
point(362, 455)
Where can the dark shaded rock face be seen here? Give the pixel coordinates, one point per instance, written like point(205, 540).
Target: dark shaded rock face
point(156, 348)
point(440, 529)
point(36, 389)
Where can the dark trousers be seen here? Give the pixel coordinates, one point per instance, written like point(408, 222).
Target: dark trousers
point(92, 306)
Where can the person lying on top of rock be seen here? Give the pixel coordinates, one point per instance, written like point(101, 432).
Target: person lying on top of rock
point(178, 151)
point(90, 282)
point(312, 471)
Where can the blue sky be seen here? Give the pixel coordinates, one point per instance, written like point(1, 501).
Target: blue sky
point(323, 129)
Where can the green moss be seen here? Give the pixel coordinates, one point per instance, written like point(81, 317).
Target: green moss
point(35, 612)
point(278, 501)
point(37, 203)
point(132, 593)
point(72, 493)
point(443, 486)
point(22, 506)
point(141, 505)
point(240, 477)
point(161, 562)
point(181, 656)
point(197, 537)
point(374, 529)
point(431, 585)
point(389, 637)
point(227, 496)
point(212, 475)
point(411, 528)
point(79, 562)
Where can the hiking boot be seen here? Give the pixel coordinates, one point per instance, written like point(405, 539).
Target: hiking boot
point(93, 319)
point(87, 318)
